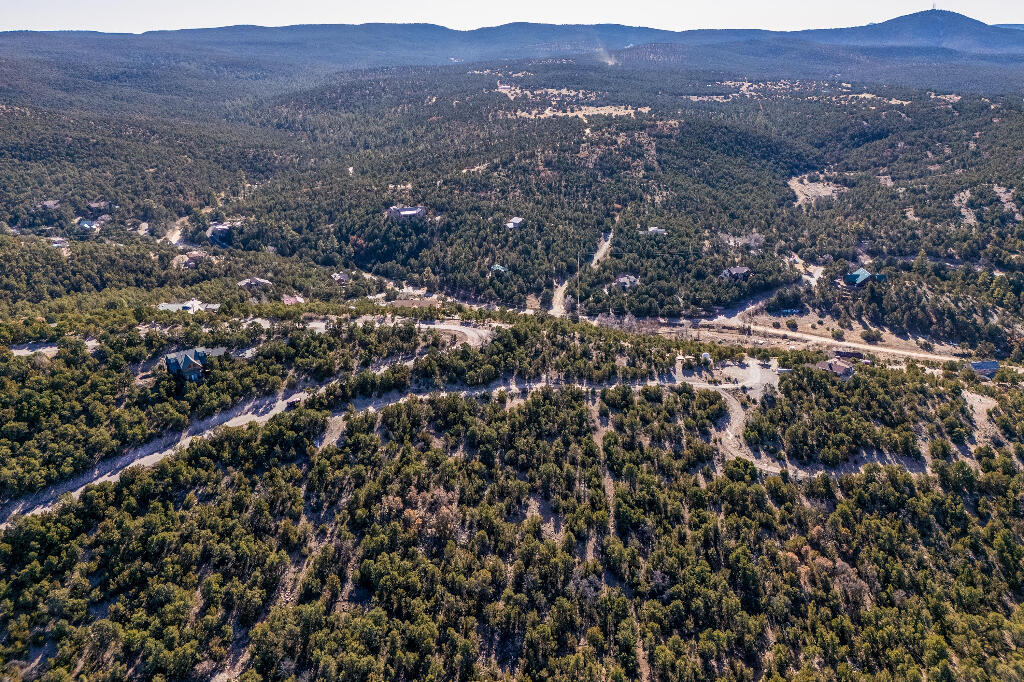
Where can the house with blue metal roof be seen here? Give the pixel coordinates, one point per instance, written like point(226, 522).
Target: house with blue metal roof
point(985, 368)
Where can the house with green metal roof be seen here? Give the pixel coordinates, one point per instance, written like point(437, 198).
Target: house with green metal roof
point(860, 277)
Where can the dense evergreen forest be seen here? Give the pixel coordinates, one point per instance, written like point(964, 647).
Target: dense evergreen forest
point(469, 538)
point(450, 446)
point(922, 186)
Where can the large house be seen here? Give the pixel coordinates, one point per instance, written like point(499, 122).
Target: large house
point(192, 259)
point(189, 365)
point(860, 277)
point(254, 283)
point(102, 208)
point(220, 233)
point(738, 272)
point(843, 370)
point(406, 212)
point(191, 307)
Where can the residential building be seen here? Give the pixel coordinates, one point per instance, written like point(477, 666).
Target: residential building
point(841, 369)
point(514, 223)
point(193, 258)
point(255, 283)
point(627, 281)
point(656, 230)
point(220, 233)
point(189, 365)
point(191, 307)
point(406, 212)
point(292, 300)
point(340, 277)
point(738, 272)
point(498, 268)
point(860, 277)
point(985, 368)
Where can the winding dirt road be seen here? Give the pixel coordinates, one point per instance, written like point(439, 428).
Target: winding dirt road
point(254, 411)
point(747, 375)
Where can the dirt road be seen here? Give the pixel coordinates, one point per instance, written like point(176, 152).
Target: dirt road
point(604, 247)
point(881, 349)
point(748, 375)
point(254, 411)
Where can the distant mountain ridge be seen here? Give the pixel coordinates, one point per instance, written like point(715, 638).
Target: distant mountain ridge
point(161, 70)
point(378, 44)
point(931, 28)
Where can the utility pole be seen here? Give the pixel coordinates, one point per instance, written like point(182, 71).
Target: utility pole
point(579, 256)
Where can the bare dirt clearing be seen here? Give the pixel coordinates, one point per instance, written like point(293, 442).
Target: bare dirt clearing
point(580, 112)
point(960, 201)
point(808, 192)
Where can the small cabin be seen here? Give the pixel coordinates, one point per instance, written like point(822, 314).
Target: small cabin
point(514, 223)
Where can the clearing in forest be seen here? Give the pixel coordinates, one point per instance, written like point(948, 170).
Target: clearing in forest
point(808, 192)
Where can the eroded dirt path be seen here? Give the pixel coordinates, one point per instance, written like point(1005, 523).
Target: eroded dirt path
point(984, 429)
point(604, 247)
point(261, 410)
point(258, 411)
point(558, 299)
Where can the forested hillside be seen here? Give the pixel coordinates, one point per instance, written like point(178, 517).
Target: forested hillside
point(391, 352)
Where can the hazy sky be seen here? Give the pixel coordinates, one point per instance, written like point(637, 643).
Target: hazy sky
point(142, 15)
